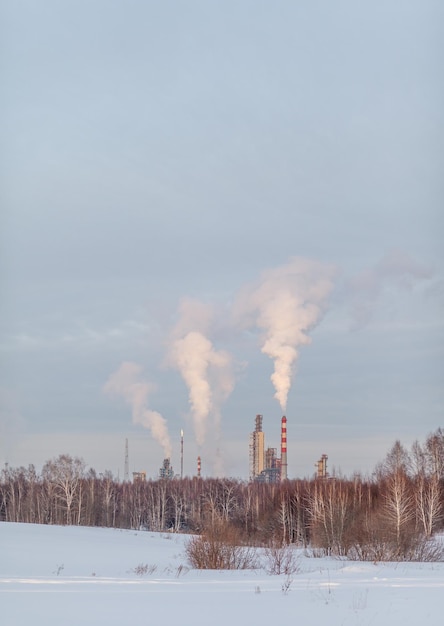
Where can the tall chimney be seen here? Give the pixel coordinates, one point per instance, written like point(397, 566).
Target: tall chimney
point(284, 448)
point(181, 453)
point(198, 466)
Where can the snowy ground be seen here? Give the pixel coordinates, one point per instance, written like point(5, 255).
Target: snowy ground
point(52, 575)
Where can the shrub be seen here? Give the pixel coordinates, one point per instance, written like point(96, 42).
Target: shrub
point(143, 569)
point(315, 553)
point(419, 549)
point(218, 549)
point(281, 560)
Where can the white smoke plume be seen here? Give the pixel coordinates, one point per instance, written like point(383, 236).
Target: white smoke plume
point(207, 372)
point(127, 382)
point(286, 304)
point(395, 269)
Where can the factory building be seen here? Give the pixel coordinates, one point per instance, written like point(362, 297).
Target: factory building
point(321, 467)
point(166, 471)
point(265, 466)
point(257, 446)
point(141, 476)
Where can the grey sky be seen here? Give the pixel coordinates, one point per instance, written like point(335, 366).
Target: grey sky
point(153, 152)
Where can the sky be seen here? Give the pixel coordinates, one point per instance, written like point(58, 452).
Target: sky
point(212, 210)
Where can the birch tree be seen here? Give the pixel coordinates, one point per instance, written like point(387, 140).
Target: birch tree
point(65, 473)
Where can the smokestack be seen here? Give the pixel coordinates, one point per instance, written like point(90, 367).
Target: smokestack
point(198, 466)
point(284, 448)
point(181, 453)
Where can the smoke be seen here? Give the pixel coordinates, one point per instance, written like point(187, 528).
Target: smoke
point(395, 269)
point(207, 372)
point(286, 304)
point(127, 382)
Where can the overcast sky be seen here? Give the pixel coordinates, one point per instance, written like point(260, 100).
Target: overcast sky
point(200, 196)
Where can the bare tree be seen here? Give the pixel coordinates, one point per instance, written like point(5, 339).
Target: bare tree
point(177, 499)
point(428, 491)
point(428, 499)
point(386, 516)
point(434, 450)
point(330, 511)
point(65, 473)
point(399, 509)
point(396, 460)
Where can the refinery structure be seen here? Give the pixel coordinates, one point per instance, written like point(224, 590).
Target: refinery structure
point(265, 464)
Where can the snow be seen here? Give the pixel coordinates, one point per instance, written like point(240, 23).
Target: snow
point(54, 575)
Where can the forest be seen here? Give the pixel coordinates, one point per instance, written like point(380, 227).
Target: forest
point(392, 515)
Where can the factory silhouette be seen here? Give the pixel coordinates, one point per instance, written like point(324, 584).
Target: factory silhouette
point(265, 464)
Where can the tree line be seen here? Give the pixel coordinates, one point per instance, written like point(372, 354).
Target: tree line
point(393, 514)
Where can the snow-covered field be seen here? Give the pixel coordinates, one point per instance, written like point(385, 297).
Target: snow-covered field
point(52, 575)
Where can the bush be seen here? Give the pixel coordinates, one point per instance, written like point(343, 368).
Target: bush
point(143, 569)
point(418, 549)
point(281, 560)
point(316, 553)
point(219, 549)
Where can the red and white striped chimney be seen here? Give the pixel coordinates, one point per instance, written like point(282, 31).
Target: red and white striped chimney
point(284, 448)
point(198, 466)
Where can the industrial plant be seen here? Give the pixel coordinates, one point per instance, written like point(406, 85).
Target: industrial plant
point(321, 467)
point(265, 465)
point(166, 471)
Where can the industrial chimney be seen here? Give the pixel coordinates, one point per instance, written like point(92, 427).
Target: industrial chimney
point(284, 448)
point(181, 453)
point(198, 466)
